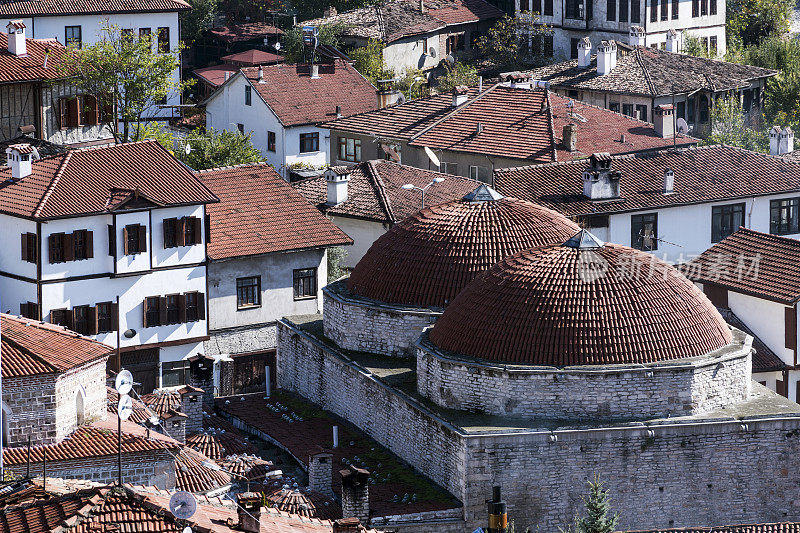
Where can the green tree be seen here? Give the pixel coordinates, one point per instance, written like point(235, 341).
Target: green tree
point(413, 84)
point(336, 266)
point(693, 46)
point(125, 72)
point(457, 74)
point(776, 52)
point(293, 49)
point(218, 149)
point(749, 22)
point(512, 40)
point(783, 100)
point(198, 19)
point(598, 517)
point(730, 126)
point(368, 60)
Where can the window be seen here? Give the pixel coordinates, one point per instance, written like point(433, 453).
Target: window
point(713, 6)
point(573, 48)
point(681, 111)
point(479, 173)
point(163, 40)
point(623, 11)
point(644, 232)
point(613, 106)
point(271, 141)
point(72, 36)
point(174, 373)
point(424, 44)
point(536, 6)
point(191, 231)
point(29, 247)
point(170, 232)
point(574, 9)
point(57, 245)
point(690, 111)
point(627, 109)
point(305, 283)
point(145, 34)
point(194, 306)
point(309, 142)
point(83, 319)
point(675, 6)
point(695, 8)
point(134, 239)
point(548, 8)
point(173, 307)
point(106, 317)
point(240, 127)
point(185, 231)
point(77, 111)
point(664, 10)
point(641, 112)
point(783, 216)
point(349, 149)
point(248, 95)
point(126, 34)
point(725, 219)
point(653, 10)
point(29, 310)
point(611, 9)
point(449, 168)
point(548, 45)
point(152, 311)
point(454, 43)
point(248, 292)
point(713, 45)
point(82, 244)
point(703, 108)
point(635, 11)
point(61, 317)
point(703, 7)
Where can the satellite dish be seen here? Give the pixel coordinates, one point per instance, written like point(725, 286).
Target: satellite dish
point(187, 529)
point(182, 505)
point(432, 51)
point(277, 46)
point(124, 382)
point(432, 157)
point(682, 126)
point(124, 407)
point(187, 149)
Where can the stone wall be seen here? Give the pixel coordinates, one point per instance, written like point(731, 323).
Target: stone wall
point(365, 325)
point(146, 468)
point(88, 380)
point(192, 407)
point(243, 339)
point(615, 392)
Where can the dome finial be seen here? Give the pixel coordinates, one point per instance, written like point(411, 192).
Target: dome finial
point(483, 193)
point(584, 240)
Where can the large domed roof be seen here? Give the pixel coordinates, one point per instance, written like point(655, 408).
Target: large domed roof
point(581, 303)
point(426, 259)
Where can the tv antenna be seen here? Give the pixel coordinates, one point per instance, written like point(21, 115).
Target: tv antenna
point(182, 505)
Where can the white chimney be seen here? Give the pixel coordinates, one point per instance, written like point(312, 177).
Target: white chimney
point(786, 141)
point(774, 140)
point(16, 38)
point(314, 72)
point(664, 121)
point(669, 181)
point(260, 74)
point(227, 76)
point(636, 36)
point(673, 41)
point(584, 52)
point(606, 57)
point(460, 95)
point(600, 181)
point(18, 157)
point(338, 180)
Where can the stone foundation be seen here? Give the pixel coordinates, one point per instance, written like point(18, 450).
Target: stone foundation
point(365, 325)
point(735, 467)
point(682, 387)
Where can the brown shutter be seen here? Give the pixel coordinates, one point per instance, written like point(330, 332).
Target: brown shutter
point(89, 245)
point(63, 120)
point(125, 231)
point(198, 228)
point(142, 239)
point(182, 308)
point(90, 109)
point(72, 319)
point(114, 316)
point(68, 243)
point(91, 319)
point(180, 232)
point(52, 246)
point(144, 313)
point(208, 228)
point(162, 310)
point(790, 316)
point(112, 244)
point(25, 256)
point(201, 306)
point(72, 112)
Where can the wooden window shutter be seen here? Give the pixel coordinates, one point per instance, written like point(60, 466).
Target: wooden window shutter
point(145, 322)
point(198, 228)
point(208, 228)
point(114, 316)
point(125, 231)
point(201, 306)
point(112, 241)
point(182, 308)
point(790, 315)
point(73, 112)
point(90, 109)
point(25, 252)
point(69, 247)
point(52, 246)
point(142, 239)
point(89, 245)
point(63, 117)
point(180, 232)
point(91, 319)
point(162, 310)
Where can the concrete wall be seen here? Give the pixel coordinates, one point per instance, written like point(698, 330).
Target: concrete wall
point(615, 392)
point(365, 325)
point(363, 233)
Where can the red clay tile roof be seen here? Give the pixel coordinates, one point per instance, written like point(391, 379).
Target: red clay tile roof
point(427, 259)
point(528, 124)
point(247, 31)
point(546, 306)
point(375, 193)
point(251, 58)
point(96, 440)
point(764, 359)
point(138, 415)
point(260, 213)
point(94, 180)
point(297, 99)
point(310, 504)
point(31, 347)
point(751, 262)
point(192, 476)
point(162, 402)
point(215, 75)
point(783, 527)
point(702, 174)
point(44, 8)
point(31, 67)
point(219, 444)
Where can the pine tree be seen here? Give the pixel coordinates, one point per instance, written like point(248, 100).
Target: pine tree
point(598, 518)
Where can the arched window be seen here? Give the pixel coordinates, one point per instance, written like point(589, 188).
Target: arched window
point(79, 409)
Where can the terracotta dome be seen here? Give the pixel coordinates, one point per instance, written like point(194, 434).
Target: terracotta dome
point(581, 303)
point(427, 259)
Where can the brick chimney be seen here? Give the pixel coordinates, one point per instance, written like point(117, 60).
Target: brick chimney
point(673, 41)
point(320, 473)
point(600, 181)
point(606, 57)
point(192, 407)
point(249, 510)
point(584, 52)
point(174, 424)
point(460, 95)
point(338, 180)
point(664, 123)
point(636, 36)
point(347, 525)
point(355, 493)
point(18, 157)
point(569, 137)
point(16, 38)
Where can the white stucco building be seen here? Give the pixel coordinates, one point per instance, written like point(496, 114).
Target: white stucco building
point(281, 107)
point(80, 23)
point(110, 242)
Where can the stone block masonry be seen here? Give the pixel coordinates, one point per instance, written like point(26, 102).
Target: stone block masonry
point(365, 325)
point(686, 471)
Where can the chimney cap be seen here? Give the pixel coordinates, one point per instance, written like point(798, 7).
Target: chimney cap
point(460, 89)
point(245, 498)
point(585, 43)
point(672, 34)
point(22, 148)
point(16, 24)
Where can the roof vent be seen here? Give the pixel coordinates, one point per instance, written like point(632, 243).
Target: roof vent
point(338, 111)
point(483, 193)
point(569, 137)
point(260, 74)
point(314, 72)
point(584, 240)
point(478, 128)
point(16, 38)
